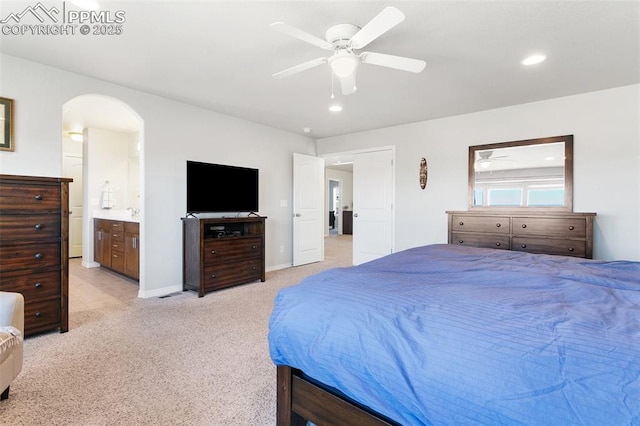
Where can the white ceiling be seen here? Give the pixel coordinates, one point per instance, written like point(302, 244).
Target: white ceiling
point(220, 55)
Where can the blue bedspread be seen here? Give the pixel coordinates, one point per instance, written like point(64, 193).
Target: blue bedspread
point(444, 334)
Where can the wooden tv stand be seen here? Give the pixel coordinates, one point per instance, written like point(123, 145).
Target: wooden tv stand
point(222, 252)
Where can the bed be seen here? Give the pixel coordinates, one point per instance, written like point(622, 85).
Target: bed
point(446, 334)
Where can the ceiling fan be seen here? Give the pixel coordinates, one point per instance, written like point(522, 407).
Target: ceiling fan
point(344, 40)
point(485, 158)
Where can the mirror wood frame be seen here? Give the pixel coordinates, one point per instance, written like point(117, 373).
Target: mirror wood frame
point(568, 171)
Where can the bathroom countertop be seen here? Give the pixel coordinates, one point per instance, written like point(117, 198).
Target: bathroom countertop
point(110, 214)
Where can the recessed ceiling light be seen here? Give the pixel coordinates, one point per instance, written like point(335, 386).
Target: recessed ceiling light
point(76, 136)
point(533, 59)
point(335, 108)
point(307, 129)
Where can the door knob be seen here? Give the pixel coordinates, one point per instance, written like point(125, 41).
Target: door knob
point(297, 215)
point(355, 215)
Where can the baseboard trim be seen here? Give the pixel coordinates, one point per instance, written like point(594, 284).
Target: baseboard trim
point(146, 294)
point(278, 267)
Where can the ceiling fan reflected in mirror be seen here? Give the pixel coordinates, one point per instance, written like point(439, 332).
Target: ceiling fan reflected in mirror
point(485, 158)
point(344, 40)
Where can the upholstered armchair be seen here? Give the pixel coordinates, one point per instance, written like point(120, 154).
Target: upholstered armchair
point(11, 333)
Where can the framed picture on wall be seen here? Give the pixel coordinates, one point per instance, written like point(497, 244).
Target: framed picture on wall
point(6, 118)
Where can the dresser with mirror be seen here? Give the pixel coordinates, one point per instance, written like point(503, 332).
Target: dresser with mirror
point(521, 198)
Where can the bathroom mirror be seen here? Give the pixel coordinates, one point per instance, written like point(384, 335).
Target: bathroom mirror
point(533, 173)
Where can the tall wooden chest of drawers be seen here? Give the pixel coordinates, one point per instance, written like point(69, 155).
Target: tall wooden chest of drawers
point(34, 225)
point(558, 233)
point(222, 252)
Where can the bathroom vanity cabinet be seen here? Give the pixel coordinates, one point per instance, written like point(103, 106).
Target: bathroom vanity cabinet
point(117, 246)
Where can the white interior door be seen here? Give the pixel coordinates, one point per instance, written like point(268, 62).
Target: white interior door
point(72, 164)
point(372, 205)
point(308, 209)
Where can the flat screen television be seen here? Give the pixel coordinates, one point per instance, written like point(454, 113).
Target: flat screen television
point(217, 188)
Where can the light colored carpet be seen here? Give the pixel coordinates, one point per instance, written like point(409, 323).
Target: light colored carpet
point(180, 360)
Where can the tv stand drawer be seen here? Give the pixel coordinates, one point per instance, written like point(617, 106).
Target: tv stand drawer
point(231, 249)
point(226, 274)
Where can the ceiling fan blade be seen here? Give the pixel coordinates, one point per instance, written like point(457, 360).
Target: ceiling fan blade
point(380, 24)
point(300, 67)
point(301, 35)
point(392, 61)
point(348, 84)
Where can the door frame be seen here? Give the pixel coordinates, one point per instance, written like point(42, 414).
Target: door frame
point(328, 203)
point(348, 155)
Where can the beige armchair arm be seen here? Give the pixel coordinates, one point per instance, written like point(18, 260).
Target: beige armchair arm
point(12, 310)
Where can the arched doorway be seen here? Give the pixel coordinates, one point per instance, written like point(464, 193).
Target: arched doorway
point(103, 140)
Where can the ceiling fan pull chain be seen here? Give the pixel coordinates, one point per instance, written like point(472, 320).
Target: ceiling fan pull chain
point(355, 77)
point(332, 95)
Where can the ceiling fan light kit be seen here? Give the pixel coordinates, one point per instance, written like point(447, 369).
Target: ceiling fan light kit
point(343, 39)
point(343, 63)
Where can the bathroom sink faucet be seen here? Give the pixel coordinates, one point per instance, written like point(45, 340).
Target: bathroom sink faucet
point(134, 212)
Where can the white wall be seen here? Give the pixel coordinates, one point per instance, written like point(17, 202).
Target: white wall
point(133, 195)
point(107, 160)
point(173, 133)
point(606, 130)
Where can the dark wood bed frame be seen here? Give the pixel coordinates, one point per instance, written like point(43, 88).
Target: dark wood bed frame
point(301, 400)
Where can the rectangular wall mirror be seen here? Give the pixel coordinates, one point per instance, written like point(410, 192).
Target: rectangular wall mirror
point(533, 173)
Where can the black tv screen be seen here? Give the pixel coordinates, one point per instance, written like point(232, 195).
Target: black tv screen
point(217, 188)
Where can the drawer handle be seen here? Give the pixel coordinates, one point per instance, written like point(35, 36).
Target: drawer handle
point(38, 226)
point(498, 244)
point(115, 255)
point(213, 275)
point(38, 314)
point(498, 225)
point(254, 247)
point(460, 223)
point(523, 246)
point(571, 228)
point(39, 256)
point(254, 268)
point(115, 246)
point(115, 235)
point(571, 248)
point(460, 241)
point(38, 285)
point(524, 225)
point(38, 197)
point(213, 252)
